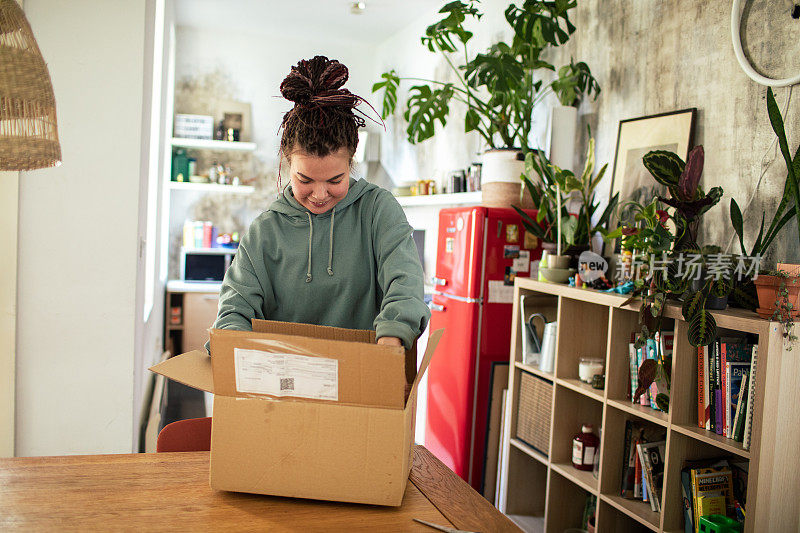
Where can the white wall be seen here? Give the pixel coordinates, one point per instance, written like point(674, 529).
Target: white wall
point(77, 237)
point(255, 65)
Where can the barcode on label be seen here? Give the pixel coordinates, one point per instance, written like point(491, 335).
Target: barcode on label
point(287, 384)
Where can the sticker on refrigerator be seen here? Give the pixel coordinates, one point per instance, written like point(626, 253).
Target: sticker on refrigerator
point(508, 279)
point(512, 233)
point(500, 293)
point(523, 262)
point(510, 251)
point(280, 374)
point(531, 241)
point(448, 244)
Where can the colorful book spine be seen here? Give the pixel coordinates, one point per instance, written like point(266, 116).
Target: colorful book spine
point(634, 369)
point(736, 372)
point(723, 393)
point(751, 399)
point(652, 353)
point(647, 481)
point(741, 410)
point(707, 388)
point(701, 408)
point(711, 366)
point(686, 492)
point(641, 354)
point(718, 403)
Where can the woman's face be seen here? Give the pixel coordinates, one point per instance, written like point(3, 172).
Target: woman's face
point(319, 183)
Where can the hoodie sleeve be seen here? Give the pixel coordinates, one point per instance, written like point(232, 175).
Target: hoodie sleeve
point(403, 312)
point(241, 296)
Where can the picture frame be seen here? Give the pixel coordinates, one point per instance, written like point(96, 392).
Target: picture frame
point(672, 131)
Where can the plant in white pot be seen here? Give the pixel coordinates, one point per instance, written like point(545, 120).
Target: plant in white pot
point(498, 87)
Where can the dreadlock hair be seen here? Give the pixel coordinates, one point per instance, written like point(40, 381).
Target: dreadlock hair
point(322, 120)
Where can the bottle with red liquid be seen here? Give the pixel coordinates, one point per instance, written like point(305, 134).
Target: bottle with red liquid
point(584, 448)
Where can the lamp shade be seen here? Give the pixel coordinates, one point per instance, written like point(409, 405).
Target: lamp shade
point(28, 132)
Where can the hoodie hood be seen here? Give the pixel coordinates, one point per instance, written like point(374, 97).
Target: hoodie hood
point(287, 205)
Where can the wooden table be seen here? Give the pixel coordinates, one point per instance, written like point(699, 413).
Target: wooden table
point(170, 491)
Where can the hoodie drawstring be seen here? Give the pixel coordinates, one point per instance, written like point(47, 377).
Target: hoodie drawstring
point(310, 237)
point(330, 246)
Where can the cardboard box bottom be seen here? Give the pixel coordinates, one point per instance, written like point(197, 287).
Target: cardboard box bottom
point(312, 450)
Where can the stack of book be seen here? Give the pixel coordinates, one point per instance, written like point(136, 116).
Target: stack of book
point(659, 349)
point(713, 487)
point(726, 371)
point(643, 463)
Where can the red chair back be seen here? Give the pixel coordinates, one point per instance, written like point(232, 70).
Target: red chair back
point(191, 435)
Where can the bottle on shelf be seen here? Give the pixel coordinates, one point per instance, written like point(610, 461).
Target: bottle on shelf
point(212, 173)
point(584, 448)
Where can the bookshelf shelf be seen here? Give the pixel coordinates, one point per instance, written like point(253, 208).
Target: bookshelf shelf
point(708, 437)
point(642, 411)
point(639, 511)
point(534, 370)
point(582, 388)
point(528, 450)
point(583, 479)
point(596, 324)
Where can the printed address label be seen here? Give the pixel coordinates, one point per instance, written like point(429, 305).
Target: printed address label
point(281, 374)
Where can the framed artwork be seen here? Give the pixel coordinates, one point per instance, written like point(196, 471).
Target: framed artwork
point(672, 131)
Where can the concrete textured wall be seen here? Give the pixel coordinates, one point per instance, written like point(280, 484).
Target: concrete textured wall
point(649, 57)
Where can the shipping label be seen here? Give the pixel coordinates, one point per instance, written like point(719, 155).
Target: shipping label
point(281, 374)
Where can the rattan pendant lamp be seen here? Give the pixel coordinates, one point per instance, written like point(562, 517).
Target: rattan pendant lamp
point(28, 133)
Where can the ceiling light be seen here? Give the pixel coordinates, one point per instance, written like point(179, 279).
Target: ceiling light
point(358, 7)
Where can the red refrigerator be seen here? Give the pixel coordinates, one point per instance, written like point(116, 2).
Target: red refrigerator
point(479, 251)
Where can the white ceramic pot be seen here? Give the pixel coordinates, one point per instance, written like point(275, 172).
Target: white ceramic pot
point(561, 135)
point(501, 166)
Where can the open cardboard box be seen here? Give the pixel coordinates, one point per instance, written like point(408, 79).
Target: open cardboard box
point(307, 411)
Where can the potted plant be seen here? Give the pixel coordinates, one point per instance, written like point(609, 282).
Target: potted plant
point(768, 286)
point(544, 181)
point(499, 87)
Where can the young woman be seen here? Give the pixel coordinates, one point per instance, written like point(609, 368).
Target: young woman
point(330, 250)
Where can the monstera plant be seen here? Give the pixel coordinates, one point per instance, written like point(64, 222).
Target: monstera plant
point(499, 87)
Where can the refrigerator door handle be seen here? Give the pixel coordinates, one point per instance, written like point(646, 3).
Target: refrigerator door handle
point(439, 281)
point(459, 298)
point(436, 307)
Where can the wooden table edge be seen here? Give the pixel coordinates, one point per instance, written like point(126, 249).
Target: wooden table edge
point(454, 497)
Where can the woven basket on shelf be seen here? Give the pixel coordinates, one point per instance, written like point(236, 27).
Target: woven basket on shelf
point(535, 409)
point(28, 134)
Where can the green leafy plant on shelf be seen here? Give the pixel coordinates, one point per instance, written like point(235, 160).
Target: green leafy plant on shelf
point(544, 180)
point(498, 87)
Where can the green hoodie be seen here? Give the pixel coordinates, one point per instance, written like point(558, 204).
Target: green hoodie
point(355, 266)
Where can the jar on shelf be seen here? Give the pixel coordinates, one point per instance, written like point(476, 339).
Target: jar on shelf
point(588, 367)
point(584, 448)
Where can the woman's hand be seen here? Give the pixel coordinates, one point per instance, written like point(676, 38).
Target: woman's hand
point(390, 341)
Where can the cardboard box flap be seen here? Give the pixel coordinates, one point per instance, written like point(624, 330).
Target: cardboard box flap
point(250, 364)
point(310, 330)
point(433, 341)
point(192, 369)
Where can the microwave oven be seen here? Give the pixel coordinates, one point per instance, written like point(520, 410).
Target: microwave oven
point(205, 264)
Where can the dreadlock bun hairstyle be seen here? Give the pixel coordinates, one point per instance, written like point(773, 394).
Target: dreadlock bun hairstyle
point(322, 120)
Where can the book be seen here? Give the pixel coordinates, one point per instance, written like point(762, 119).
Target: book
point(718, 405)
point(641, 355)
point(751, 399)
point(634, 368)
point(732, 350)
point(712, 417)
point(735, 373)
point(712, 503)
point(628, 464)
point(686, 493)
point(706, 389)
point(652, 457)
point(708, 481)
point(652, 353)
point(739, 416)
point(723, 388)
point(701, 408)
point(647, 485)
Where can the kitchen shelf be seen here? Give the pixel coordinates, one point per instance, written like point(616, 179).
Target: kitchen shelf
point(458, 198)
point(708, 437)
point(529, 450)
point(581, 387)
point(204, 144)
point(210, 187)
point(535, 371)
point(584, 479)
point(642, 411)
point(638, 510)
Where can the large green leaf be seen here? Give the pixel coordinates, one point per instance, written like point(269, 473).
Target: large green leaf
point(693, 304)
point(776, 120)
point(666, 167)
point(389, 84)
point(425, 107)
point(498, 70)
point(439, 36)
point(702, 329)
point(738, 223)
